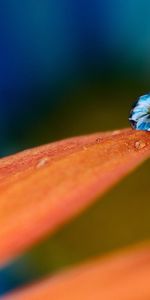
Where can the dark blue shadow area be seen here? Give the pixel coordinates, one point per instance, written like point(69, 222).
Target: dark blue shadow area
point(11, 277)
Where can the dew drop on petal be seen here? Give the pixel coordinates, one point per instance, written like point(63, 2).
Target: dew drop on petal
point(139, 145)
point(42, 162)
point(115, 132)
point(139, 117)
point(84, 148)
point(98, 140)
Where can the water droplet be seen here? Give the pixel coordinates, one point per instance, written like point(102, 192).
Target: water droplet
point(42, 162)
point(139, 117)
point(139, 145)
point(68, 147)
point(84, 148)
point(98, 140)
point(115, 132)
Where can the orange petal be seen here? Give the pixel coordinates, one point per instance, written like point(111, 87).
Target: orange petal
point(44, 187)
point(122, 276)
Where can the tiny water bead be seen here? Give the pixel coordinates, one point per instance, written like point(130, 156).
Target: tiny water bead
point(140, 113)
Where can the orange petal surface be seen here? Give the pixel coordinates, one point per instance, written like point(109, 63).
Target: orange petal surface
point(121, 276)
point(42, 188)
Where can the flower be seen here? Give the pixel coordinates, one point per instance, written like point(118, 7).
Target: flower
point(42, 188)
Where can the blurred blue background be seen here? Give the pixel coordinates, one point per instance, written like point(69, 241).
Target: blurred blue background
point(61, 61)
point(68, 67)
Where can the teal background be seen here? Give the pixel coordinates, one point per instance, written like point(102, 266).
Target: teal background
point(64, 62)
